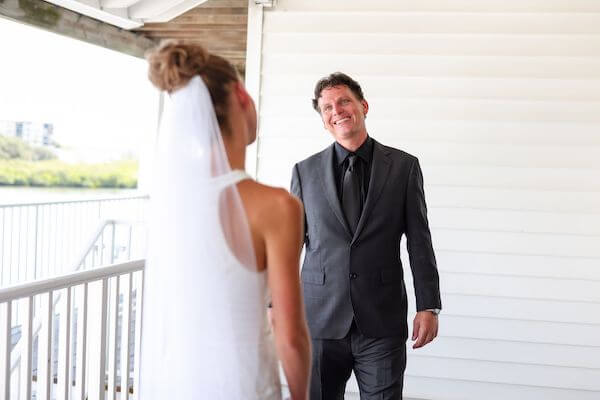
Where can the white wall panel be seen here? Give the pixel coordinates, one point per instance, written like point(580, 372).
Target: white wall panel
point(429, 44)
point(450, 109)
point(512, 200)
point(521, 309)
point(490, 88)
point(414, 22)
point(475, 6)
point(462, 389)
point(500, 100)
point(575, 267)
point(439, 66)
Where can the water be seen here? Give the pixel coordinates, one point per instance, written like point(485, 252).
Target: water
point(15, 195)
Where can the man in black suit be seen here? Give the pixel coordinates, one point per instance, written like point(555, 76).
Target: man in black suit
point(360, 197)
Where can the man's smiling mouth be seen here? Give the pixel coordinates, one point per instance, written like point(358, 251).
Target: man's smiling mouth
point(341, 121)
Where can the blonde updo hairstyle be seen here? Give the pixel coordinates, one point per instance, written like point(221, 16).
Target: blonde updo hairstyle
point(173, 63)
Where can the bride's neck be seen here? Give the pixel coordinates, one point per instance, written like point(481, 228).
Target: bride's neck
point(236, 153)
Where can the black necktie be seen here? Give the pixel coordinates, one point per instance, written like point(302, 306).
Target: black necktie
point(351, 193)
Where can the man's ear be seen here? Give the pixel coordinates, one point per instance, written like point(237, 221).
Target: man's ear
point(365, 107)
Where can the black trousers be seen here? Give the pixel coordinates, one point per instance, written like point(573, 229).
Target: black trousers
point(378, 364)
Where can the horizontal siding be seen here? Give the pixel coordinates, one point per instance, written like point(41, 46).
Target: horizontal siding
point(504, 372)
point(451, 109)
point(477, 66)
point(524, 309)
point(515, 221)
point(473, 6)
point(515, 330)
point(448, 153)
point(458, 131)
point(385, 22)
point(557, 245)
point(516, 287)
point(432, 44)
point(576, 267)
point(506, 199)
point(500, 100)
point(514, 352)
point(439, 87)
point(543, 179)
point(460, 389)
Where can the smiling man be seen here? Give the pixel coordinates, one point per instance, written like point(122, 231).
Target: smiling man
point(360, 197)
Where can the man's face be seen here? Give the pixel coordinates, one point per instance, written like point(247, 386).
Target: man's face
point(342, 113)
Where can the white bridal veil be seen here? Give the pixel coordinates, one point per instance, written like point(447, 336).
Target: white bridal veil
point(203, 304)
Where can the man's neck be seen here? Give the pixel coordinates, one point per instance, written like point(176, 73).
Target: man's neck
point(352, 144)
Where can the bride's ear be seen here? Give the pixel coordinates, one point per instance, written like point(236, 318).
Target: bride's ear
point(241, 94)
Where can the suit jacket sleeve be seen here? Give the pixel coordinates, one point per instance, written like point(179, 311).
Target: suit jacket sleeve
point(420, 249)
point(296, 190)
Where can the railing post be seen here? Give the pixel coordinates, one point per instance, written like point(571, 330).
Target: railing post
point(112, 337)
point(80, 363)
point(112, 248)
point(97, 338)
point(5, 347)
point(64, 378)
point(126, 334)
point(44, 351)
point(26, 353)
point(2, 280)
point(139, 279)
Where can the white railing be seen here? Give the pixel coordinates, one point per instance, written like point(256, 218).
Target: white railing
point(41, 240)
point(93, 255)
point(112, 241)
point(86, 342)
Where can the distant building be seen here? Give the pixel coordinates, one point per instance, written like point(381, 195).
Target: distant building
point(33, 133)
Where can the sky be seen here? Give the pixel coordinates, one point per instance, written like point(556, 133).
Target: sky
point(99, 100)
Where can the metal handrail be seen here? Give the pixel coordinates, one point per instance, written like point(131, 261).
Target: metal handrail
point(72, 279)
point(28, 290)
point(36, 323)
point(93, 199)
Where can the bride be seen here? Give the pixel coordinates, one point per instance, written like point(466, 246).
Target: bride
point(220, 245)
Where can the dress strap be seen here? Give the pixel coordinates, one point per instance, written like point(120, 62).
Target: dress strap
point(231, 178)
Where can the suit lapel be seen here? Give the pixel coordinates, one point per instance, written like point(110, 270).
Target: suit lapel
point(380, 168)
point(327, 179)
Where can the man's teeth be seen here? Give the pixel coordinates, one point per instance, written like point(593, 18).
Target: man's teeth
point(342, 120)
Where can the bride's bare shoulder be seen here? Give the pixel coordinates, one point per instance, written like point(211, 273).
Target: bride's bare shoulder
point(276, 204)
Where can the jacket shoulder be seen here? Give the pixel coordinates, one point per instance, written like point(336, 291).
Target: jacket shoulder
point(397, 153)
point(311, 160)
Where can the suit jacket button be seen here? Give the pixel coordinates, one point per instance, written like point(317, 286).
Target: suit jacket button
point(353, 276)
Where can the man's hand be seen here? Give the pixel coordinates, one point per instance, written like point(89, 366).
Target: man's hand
point(425, 328)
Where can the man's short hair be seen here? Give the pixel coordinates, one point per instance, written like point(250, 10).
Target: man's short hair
point(336, 79)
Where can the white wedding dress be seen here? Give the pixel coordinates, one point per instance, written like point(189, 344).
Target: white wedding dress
point(205, 333)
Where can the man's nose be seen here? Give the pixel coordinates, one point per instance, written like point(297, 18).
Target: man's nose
point(337, 109)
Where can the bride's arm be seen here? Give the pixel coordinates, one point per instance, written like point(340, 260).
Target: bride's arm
point(283, 236)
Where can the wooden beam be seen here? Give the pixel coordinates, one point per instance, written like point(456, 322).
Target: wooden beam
point(207, 19)
point(189, 27)
point(68, 23)
point(218, 11)
point(231, 38)
point(224, 4)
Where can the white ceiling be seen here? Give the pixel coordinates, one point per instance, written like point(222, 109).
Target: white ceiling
point(129, 14)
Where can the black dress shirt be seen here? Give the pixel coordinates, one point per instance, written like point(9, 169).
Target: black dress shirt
point(365, 156)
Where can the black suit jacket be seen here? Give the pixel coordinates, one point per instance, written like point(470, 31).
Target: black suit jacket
point(360, 276)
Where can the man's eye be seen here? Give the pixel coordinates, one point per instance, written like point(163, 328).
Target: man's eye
point(345, 101)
